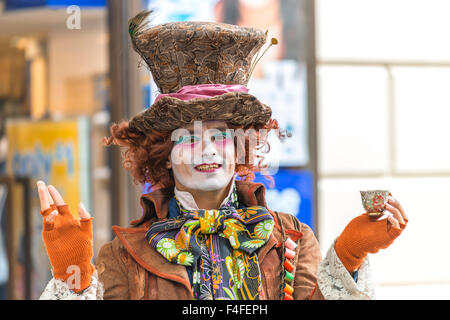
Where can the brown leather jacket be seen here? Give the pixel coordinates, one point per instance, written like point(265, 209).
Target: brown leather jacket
point(131, 269)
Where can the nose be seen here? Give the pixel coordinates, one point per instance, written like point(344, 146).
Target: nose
point(208, 148)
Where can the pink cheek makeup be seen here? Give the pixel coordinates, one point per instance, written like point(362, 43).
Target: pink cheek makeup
point(186, 145)
point(223, 142)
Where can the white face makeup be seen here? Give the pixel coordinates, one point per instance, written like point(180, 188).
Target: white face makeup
point(203, 156)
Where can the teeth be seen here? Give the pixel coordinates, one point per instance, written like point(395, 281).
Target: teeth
point(207, 167)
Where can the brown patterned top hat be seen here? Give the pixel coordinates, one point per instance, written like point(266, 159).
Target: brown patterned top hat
point(183, 58)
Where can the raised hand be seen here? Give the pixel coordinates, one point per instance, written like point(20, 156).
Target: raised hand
point(366, 234)
point(68, 241)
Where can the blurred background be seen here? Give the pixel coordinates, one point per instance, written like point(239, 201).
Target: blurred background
point(363, 85)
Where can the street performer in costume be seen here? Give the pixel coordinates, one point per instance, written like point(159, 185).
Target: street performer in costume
point(206, 231)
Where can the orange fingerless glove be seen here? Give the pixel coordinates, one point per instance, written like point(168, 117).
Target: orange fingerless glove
point(69, 247)
point(364, 235)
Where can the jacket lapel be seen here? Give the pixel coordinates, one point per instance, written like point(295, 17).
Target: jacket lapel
point(147, 257)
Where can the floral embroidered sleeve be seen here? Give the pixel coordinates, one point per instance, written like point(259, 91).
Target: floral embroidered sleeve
point(336, 283)
point(57, 289)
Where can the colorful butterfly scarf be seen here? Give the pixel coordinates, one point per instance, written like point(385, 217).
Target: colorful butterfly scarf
point(219, 245)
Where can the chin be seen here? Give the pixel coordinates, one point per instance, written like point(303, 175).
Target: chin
point(213, 184)
point(212, 187)
point(205, 181)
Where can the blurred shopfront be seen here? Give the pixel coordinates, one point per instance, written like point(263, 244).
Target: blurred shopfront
point(54, 112)
point(67, 71)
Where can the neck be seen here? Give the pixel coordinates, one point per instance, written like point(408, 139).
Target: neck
point(209, 199)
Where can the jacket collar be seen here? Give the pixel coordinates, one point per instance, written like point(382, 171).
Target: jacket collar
point(156, 207)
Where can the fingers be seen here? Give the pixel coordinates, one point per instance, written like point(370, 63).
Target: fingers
point(50, 198)
point(86, 220)
point(394, 228)
point(397, 205)
point(394, 222)
point(59, 201)
point(397, 214)
point(49, 221)
point(44, 197)
point(396, 209)
point(83, 212)
point(86, 227)
point(56, 196)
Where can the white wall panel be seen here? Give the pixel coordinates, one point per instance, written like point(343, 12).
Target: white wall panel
point(383, 29)
point(353, 123)
point(422, 130)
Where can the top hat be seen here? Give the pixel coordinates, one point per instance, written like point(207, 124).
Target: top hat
point(201, 70)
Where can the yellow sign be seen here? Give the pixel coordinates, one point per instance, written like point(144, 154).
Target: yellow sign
point(54, 152)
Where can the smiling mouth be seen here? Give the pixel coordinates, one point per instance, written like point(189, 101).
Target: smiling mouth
point(207, 167)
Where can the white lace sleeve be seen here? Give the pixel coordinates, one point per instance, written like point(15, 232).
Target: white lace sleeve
point(336, 283)
point(58, 290)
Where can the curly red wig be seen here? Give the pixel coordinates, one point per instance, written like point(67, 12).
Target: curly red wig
point(146, 156)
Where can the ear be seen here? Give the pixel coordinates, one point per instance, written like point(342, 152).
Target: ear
point(169, 163)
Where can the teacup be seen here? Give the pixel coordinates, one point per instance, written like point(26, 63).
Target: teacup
point(374, 201)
